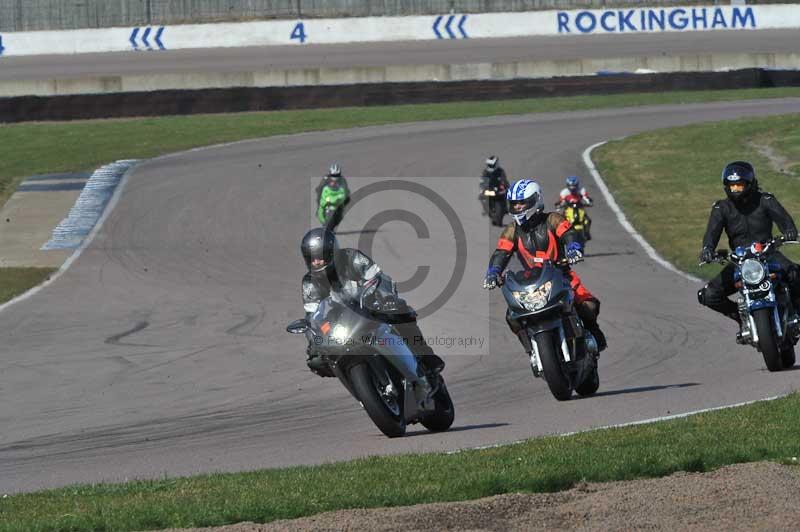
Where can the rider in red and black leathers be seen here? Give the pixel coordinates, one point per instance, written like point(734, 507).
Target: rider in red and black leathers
point(544, 236)
point(746, 216)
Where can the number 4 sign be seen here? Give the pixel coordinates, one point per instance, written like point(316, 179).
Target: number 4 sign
point(299, 32)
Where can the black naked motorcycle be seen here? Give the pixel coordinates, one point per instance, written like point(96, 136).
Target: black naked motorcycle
point(769, 320)
point(564, 352)
point(376, 366)
point(493, 201)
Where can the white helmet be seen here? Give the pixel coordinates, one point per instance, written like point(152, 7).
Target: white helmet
point(525, 199)
point(491, 162)
point(335, 170)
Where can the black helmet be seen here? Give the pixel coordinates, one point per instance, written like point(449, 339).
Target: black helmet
point(335, 170)
point(491, 162)
point(739, 173)
point(319, 244)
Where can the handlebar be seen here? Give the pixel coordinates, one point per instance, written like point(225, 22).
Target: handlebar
point(723, 256)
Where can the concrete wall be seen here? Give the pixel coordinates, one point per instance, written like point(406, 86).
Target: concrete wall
point(333, 77)
point(35, 15)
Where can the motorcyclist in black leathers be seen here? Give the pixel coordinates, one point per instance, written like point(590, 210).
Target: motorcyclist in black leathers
point(746, 216)
point(493, 176)
point(346, 271)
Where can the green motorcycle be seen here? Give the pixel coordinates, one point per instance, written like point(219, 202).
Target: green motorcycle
point(331, 206)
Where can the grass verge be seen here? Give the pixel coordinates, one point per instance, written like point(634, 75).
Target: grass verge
point(761, 431)
point(38, 148)
point(15, 281)
point(667, 180)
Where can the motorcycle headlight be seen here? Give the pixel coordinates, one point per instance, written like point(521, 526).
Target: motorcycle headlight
point(535, 299)
point(753, 271)
point(340, 334)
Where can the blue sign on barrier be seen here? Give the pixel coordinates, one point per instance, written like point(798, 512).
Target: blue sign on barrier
point(448, 27)
point(2, 48)
point(674, 19)
point(145, 38)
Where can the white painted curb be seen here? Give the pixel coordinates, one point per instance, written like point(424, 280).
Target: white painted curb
point(623, 221)
point(77, 253)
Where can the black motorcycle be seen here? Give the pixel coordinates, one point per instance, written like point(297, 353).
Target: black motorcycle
point(376, 366)
point(564, 352)
point(769, 320)
point(493, 200)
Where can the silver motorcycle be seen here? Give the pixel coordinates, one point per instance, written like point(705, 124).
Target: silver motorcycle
point(376, 365)
point(564, 352)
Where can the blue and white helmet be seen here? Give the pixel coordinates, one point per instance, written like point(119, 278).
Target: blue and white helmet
point(525, 200)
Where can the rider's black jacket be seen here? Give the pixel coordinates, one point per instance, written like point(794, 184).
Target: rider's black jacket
point(495, 178)
point(746, 223)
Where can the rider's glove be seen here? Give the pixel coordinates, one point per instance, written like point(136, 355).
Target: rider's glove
point(492, 279)
point(707, 255)
point(790, 235)
point(574, 252)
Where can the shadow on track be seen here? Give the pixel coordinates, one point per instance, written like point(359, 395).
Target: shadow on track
point(641, 389)
point(422, 432)
point(360, 232)
point(608, 254)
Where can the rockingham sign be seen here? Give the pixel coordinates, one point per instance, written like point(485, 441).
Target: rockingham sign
point(452, 26)
point(655, 20)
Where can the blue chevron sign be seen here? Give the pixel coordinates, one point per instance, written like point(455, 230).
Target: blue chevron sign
point(138, 36)
point(448, 27)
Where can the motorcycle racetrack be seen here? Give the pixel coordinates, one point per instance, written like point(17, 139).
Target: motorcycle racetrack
point(162, 350)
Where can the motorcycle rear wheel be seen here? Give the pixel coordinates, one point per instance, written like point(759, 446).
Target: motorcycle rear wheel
point(557, 381)
point(387, 417)
point(767, 342)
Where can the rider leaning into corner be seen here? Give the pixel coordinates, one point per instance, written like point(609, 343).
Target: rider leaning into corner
point(493, 176)
point(575, 193)
point(346, 271)
point(333, 179)
point(746, 215)
point(536, 234)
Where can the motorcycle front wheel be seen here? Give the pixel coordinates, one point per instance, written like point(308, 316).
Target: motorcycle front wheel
point(440, 419)
point(383, 408)
point(557, 380)
point(767, 341)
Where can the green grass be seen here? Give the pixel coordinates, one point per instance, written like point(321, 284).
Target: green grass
point(36, 148)
point(14, 281)
point(761, 431)
point(667, 180)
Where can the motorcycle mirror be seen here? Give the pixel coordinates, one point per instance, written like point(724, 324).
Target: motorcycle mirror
point(298, 326)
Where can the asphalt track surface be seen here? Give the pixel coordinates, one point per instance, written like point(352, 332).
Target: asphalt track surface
point(162, 350)
point(397, 53)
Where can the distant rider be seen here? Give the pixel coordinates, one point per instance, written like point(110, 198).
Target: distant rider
point(346, 271)
point(493, 176)
point(746, 216)
point(536, 234)
point(575, 193)
point(333, 179)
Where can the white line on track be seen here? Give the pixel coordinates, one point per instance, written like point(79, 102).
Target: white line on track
point(628, 424)
point(623, 221)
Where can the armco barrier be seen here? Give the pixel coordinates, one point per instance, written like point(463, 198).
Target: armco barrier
point(176, 102)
